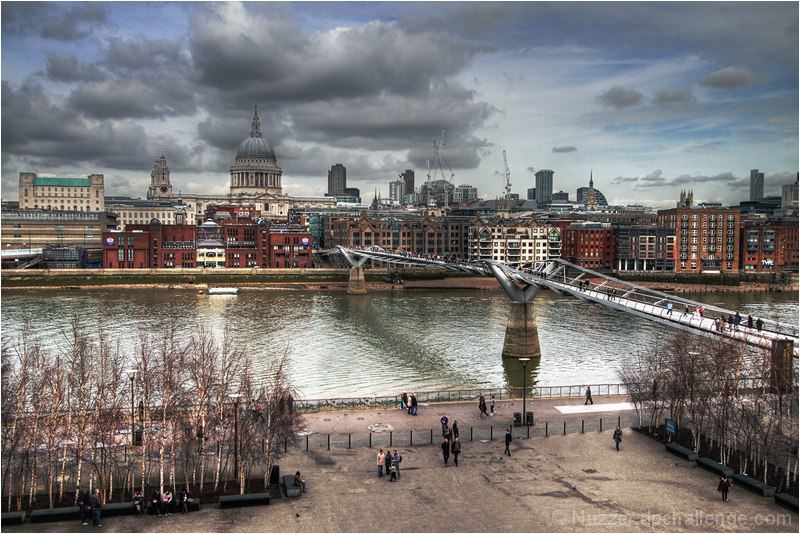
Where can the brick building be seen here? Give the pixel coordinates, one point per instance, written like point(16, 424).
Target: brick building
point(707, 239)
point(588, 244)
point(769, 244)
point(644, 248)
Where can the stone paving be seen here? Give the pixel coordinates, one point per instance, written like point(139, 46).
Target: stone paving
point(562, 483)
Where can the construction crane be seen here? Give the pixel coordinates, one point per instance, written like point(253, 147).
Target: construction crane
point(438, 167)
point(505, 203)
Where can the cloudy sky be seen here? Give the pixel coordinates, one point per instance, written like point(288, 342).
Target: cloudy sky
point(652, 97)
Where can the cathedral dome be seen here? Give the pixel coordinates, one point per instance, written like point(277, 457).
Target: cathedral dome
point(255, 146)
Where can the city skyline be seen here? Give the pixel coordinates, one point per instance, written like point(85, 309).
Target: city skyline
point(693, 97)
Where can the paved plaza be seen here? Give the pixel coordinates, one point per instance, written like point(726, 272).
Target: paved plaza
point(562, 483)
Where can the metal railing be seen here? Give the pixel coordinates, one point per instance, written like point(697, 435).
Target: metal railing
point(456, 395)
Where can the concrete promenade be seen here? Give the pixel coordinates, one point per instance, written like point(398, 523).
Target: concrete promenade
point(562, 483)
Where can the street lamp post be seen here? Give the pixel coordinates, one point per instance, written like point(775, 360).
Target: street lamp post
point(236, 397)
point(524, 373)
point(132, 375)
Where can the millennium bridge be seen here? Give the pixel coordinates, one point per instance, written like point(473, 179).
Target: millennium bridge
point(522, 282)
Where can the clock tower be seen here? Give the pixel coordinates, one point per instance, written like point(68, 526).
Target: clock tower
point(160, 188)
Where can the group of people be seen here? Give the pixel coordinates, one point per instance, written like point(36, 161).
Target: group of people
point(94, 504)
point(482, 406)
point(162, 503)
point(450, 443)
point(409, 403)
point(390, 461)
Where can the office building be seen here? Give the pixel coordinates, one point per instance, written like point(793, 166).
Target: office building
point(337, 180)
point(544, 186)
point(756, 185)
point(707, 239)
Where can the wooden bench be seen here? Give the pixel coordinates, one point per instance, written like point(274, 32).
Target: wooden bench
point(683, 452)
point(247, 499)
point(786, 500)
point(291, 489)
point(754, 485)
point(18, 518)
point(715, 467)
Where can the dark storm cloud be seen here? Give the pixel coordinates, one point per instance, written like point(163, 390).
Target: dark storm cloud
point(68, 69)
point(564, 149)
point(38, 127)
point(52, 20)
point(728, 78)
point(618, 97)
point(132, 79)
point(678, 96)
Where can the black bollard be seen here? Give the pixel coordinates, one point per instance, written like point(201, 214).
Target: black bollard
point(545, 428)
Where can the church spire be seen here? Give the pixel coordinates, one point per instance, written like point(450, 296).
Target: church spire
point(255, 127)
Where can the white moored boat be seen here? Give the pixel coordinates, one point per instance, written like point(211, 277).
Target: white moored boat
point(223, 290)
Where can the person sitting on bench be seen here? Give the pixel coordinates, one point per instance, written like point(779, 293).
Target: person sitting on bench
point(299, 481)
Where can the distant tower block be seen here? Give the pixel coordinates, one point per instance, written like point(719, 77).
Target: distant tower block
point(522, 335)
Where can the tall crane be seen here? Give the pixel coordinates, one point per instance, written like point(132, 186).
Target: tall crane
point(505, 202)
point(438, 167)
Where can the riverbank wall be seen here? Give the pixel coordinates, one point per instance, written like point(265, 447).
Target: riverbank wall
point(302, 279)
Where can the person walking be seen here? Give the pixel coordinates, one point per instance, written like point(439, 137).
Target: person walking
point(723, 486)
point(446, 451)
point(404, 402)
point(669, 308)
point(588, 396)
point(508, 442)
point(759, 324)
point(444, 421)
point(482, 406)
point(456, 448)
point(617, 436)
point(83, 503)
point(380, 463)
point(448, 434)
point(413, 404)
point(749, 321)
point(737, 320)
point(97, 504)
point(491, 406)
point(455, 429)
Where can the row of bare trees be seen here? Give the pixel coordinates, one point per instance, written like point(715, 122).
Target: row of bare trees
point(727, 396)
point(70, 415)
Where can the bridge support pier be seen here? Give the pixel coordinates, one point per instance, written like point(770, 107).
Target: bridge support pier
point(522, 335)
point(356, 285)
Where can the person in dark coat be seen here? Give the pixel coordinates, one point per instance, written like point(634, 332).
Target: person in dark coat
point(413, 404)
point(455, 429)
point(508, 442)
point(617, 436)
point(184, 501)
point(446, 451)
point(444, 421)
point(155, 503)
point(724, 486)
point(588, 396)
point(83, 503)
point(396, 459)
point(404, 402)
point(456, 448)
point(482, 406)
point(97, 504)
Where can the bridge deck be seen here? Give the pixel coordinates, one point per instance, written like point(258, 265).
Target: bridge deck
point(569, 279)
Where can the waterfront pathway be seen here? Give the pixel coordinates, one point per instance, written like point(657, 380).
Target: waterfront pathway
point(562, 483)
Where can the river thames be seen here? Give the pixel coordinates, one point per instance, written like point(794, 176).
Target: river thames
point(381, 343)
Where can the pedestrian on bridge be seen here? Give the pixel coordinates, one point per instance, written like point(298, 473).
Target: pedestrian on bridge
point(749, 321)
point(669, 308)
point(588, 396)
point(759, 324)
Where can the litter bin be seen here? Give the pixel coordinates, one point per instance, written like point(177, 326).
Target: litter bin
point(517, 418)
point(137, 437)
point(529, 418)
